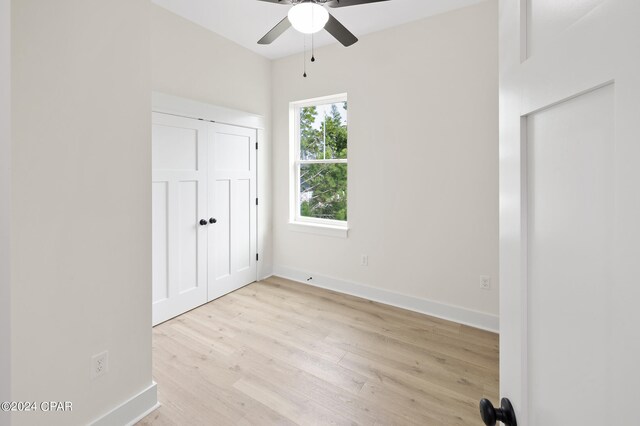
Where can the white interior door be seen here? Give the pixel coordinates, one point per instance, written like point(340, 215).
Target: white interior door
point(569, 209)
point(232, 195)
point(179, 152)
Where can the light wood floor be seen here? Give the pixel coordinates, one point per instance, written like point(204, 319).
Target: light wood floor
point(279, 352)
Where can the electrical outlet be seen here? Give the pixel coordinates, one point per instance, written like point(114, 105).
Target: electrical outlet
point(364, 260)
point(485, 282)
point(99, 364)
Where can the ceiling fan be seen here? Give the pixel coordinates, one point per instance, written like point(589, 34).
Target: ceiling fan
point(310, 16)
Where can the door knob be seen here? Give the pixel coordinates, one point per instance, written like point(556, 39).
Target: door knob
point(203, 222)
point(213, 220)
point(505, 414)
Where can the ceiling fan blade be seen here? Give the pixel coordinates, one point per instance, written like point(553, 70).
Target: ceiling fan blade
point(278, 1)
point(275, 32)
point(345, 3)
point(336, 29)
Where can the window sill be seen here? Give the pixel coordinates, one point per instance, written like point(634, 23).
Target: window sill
point(320, 229)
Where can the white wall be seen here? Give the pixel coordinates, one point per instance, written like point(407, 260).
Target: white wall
point(423, 160)
point(81, 203)
point(192, 62)
point(5, 206)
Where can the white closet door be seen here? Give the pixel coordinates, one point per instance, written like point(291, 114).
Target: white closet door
point(179, 149)
point(232, 196)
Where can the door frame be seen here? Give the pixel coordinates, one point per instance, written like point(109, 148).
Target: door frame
point(188, 108)
point(5, 204)
point(530, 84)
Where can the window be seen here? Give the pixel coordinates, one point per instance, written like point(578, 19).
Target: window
point(319, 154)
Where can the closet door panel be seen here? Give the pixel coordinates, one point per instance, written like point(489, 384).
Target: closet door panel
point(222, 233)
point(233, 152)
point(188, 235)
point(174, 148)
point(160, 235)
point(179, 148)
point(232, 240)
point(242, 226)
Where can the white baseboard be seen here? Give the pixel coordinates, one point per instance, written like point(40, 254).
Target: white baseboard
point(424, 306)
point(133, 410)
point(265, 274)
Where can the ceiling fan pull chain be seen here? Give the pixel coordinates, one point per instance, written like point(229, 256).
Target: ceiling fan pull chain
point(313, 57)
point(304, 57)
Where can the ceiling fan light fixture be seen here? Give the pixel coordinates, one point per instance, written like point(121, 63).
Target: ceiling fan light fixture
point(308, 17)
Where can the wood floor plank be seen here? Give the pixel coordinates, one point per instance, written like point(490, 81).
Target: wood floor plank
point(278, 352)
point(295, 383)
point(322, 363)
point(460, 337)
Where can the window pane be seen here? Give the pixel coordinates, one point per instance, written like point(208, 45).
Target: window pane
point(323, 132)
point(323, 191)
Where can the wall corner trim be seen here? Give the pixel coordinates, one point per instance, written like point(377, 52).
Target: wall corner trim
point(457, 314)
point(133, 410)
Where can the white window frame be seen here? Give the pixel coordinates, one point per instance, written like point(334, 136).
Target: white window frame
point(329, 227)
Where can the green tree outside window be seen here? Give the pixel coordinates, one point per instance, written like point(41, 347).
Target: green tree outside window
point(323, 166)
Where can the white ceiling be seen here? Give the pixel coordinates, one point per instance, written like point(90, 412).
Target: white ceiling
point(246, 21)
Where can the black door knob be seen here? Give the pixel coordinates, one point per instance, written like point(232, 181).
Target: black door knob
point(213, 220)
point(505, 414)
point(203, 222)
